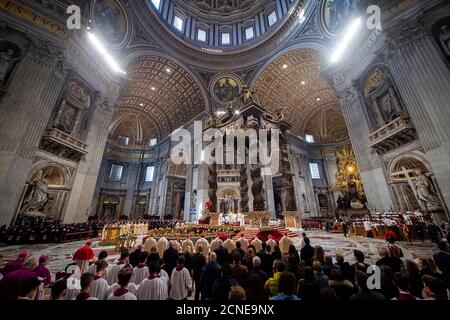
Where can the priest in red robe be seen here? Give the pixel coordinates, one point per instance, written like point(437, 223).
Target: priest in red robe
point(83, 255)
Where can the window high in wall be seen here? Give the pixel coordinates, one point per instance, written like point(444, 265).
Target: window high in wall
point(149, 173)
point(116, 173)
point(157, 4)
point(153, 142)
point(178, 23)
point(314, 169)
point(272, 18)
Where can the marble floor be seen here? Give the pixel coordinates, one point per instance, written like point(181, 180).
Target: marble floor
point(60, 255)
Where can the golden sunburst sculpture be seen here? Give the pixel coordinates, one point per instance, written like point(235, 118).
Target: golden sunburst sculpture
point(348, 180)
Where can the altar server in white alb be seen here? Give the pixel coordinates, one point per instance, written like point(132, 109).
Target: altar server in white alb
point(180, 282)
point(187, 245)
point(101, 257)
point(150, 243)
point(140, 272)
point(162, 245)
point(205, 245)
point(123, 293)
point(154, 287)
point(100, 287)
point(114, 271)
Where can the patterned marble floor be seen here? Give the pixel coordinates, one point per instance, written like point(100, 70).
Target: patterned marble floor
point(60, 255)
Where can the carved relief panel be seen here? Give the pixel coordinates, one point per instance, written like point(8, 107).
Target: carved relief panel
point(383, 102)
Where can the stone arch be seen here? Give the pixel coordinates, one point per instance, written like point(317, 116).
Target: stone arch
point(66, 175)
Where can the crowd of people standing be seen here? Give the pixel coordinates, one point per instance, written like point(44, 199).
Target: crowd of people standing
point(237, 270)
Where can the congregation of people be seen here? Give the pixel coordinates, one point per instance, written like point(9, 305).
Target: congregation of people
point(232, 270)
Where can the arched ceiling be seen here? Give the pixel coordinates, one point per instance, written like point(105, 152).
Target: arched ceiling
point(160, 98)
point(294, 81)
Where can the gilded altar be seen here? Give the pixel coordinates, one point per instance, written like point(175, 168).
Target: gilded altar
point(291, 219)
point(257, 219)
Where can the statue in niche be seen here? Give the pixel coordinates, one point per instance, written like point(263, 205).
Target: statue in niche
point(37, 194)
point(7, 63)
point(425, 191)
point(444, 39)
point(194, 201)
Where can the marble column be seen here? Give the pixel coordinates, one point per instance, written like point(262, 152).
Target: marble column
point(79, 205)
point(369, 162)
point(188, 193)
point(422, 76)
point(268, 187)
point(131, 188)
point(25, 110)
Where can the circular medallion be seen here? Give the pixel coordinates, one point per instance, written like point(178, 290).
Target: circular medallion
point(336, 14)
point(110, 21)
point(225, 88)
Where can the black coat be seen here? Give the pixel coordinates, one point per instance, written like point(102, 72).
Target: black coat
point(170, 258)
point(198, 262)
point(211, 272)
point(266, 262)
point(222, 255)
point(442, 261)
point(307, 254)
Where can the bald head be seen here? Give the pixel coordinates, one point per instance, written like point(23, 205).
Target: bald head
point(213, 256)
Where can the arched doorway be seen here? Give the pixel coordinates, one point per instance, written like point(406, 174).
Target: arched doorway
point(414, 186)
point(110, 207)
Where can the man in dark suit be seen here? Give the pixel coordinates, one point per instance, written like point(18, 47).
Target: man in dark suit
point(222, 254)
point(211, 272)
point(442, 260)
point(266, 259)
point(170, 257)
point(307, 252)
point(198, 262)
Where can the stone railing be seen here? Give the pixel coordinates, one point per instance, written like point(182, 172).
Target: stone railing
point(63, 144)
point(392, 135)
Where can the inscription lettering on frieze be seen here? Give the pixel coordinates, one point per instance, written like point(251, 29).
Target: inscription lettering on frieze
point(28, 15)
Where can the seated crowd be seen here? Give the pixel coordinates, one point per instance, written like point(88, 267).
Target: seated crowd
point(241, 270)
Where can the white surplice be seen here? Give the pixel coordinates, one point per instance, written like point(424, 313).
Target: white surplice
point(139, 274)
point(100, 289)
point(153, 289)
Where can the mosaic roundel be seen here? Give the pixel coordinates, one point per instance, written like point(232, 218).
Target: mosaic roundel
point(110, 21)
point(225, 88)
point(337, 13)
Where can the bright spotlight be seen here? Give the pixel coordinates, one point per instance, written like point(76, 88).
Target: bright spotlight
point(98, 45)
point(349, 34)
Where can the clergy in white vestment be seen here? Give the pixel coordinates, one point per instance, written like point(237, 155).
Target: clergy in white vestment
point(243, 242)
point(122, 293)
point(285, 242)
point(150, 243)
point(176, 244)
point(257, 244)
point(240, 219)
point(229, 245)
point(100, 287)
point(162, 245)
point(180, 282)
point(154, 287)
point(188, 245)
point(115, 269)
point(205, 245)
point(272, 243)
point(215, 244)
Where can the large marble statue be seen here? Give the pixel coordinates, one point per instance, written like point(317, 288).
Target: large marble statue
point(37, 195)
point(444, 39)
point(425, 192)
point(7, 62)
